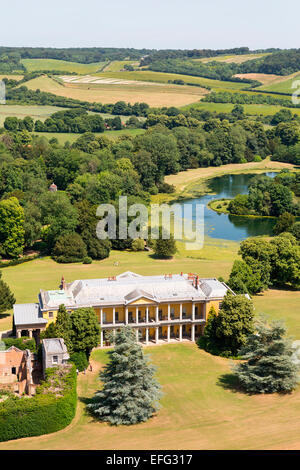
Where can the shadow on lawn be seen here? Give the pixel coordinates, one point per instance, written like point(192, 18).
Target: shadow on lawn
point(4, 315)
point(229, 382)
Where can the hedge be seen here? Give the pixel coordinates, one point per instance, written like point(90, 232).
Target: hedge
point(42, 414)
point(20, 343)
point(15, 262)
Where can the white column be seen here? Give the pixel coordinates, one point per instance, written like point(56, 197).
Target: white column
point(169, 312)
point(136, 315)
point(193, 332)
point(114, 335)
point(156, 334)
point(193, 311)
point(180, 332)
point(137, 334)
point(147, 335)
point(114, 316)
point(147, 314)
point(204, 311)
point(169, 333)
point(101, 339)
point(156, 314)
point(19, 333)
point(30, 333)
point(126, 315)
point(101, 316)
point(180, 312)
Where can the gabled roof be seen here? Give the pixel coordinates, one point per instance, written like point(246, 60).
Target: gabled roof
point(55, 346)
point(138, 294)
point(128, 275)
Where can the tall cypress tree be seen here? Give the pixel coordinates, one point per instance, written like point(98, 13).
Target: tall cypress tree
point(63, 326)
point(130, 392)
point(7, 298)
point(269, 365)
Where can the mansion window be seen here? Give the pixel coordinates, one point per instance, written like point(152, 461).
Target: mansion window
point(50, 314)
point(54, 359)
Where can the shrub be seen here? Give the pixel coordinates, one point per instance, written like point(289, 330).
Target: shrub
point(257, 158)
point(44, 413)
point(165, 248)
point(69, 248)
point(80, 360)
point(87, 260)
point(138, 245)
point(296, 230)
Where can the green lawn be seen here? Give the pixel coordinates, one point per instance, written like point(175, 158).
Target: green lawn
point(198, 411)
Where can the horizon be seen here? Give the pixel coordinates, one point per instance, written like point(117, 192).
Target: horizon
point(136, 24)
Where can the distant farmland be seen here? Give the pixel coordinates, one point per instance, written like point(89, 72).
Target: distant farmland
point(153, 94)
point(34, 65)
point(21, 111)
point(283, 84)
point(71, 137)
point(234, 58)
point(251, 109)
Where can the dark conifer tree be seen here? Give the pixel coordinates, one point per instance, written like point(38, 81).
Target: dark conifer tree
point(270, 366)
point(130, 392)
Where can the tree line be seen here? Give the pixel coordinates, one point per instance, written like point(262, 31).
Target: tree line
point(96, 169)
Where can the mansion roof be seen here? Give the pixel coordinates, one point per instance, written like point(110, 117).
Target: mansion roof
point(28, 314)
point(129, 287)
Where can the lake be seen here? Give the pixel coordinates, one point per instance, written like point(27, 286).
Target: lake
point(226, 226)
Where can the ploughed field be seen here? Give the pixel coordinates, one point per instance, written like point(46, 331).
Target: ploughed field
point(107, 91)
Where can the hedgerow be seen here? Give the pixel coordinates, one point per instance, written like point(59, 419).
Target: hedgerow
point(50, 410)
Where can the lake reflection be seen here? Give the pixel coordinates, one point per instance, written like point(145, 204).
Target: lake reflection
point(226, 226)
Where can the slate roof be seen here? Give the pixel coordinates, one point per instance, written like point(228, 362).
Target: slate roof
point(55, 346)
point(128, 287)
point(28, 314)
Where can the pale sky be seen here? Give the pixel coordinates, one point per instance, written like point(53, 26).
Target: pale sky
point(157, 24)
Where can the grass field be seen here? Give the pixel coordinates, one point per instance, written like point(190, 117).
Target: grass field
point(198, 411)
point(161, 77)
point(164, 95)
point(70, 137)
point(264, 78)
point(118, 65)
point(21, 111)
point(34, 65)
point(234, 58)
point(250, 109)
point(13, 77)
point(283, 84)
